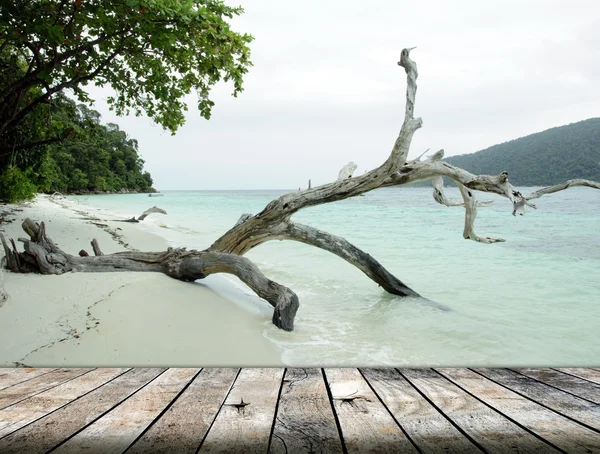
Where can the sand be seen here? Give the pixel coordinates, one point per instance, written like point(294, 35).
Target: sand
point(118, 319)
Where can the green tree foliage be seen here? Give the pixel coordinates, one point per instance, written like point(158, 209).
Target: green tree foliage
point(96, 157)
point(151, 52)
point(15, 186)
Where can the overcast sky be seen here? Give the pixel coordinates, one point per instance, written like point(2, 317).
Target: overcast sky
point(326, 89)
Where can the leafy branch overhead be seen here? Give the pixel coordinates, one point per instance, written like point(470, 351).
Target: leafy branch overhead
point(151, 52)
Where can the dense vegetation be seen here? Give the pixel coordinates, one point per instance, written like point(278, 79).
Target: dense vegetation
point(545, 158)
point(94, 157)
point(151, 52)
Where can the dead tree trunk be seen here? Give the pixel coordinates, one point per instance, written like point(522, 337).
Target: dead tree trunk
point(43, 256)
point(274, 223)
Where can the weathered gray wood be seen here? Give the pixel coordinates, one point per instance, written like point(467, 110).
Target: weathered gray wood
point(26, 411)
point(426, 426)
point(244, 422)
point(47, 432)
point(14, 376)
point(470, 202)
point(305, 420)
point(346, 171)
point(177, 263)
point(486, 427)
point(560, 401)
point(438, 184)
point(96, 247)
point(149, 211)
point(186, 422)
point(433, 169)
point(366, 424)
point(561, 187)
point(350, 253)
point(587, 374)
point(273, 223)
point(556, 429)
point(23, 390)
point(574, 385)
point(115, 431)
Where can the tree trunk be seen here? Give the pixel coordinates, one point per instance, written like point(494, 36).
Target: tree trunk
point(225, 255)
point(42, 255)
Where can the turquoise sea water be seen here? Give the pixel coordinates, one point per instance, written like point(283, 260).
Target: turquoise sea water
point(533, 300)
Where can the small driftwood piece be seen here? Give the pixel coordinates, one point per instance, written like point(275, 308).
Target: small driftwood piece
point(226, 254)
point(143, 216)
point(96, 247)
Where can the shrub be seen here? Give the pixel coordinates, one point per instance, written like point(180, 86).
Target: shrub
point(15, 186)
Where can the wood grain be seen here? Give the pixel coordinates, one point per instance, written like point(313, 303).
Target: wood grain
point(49, 431)
point(366, 424)
point(246, 429)
point(115, 431)
point(20, 414)
point(574, 385)
point(305, 422)
point(10, 377)
point(587, 374)
point(488, 428)
point(25, 389)
point(557, 400)
point(427, 427)
point(186, 422)
point(556, 429)
point(300, 410)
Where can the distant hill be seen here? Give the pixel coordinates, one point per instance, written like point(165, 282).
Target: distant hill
point(541, 159)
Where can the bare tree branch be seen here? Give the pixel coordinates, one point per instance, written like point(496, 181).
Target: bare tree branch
point(225, 255)
point(560, 187)
point(350, 253)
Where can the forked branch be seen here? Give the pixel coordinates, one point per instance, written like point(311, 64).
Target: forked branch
point(225, 255)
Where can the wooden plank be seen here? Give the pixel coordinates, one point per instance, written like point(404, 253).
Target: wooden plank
point(119, 428)
point(20, 414)
point(184, 425)
point(13, 376)
point(305, 422)
point(366, 424)
point(246, 427)
point(556, 429)
point(424, 424)
point(25, 389)
point(560, 401)
point(587, 374)
point(47, 432)
point(574, 385)
point(486, 427)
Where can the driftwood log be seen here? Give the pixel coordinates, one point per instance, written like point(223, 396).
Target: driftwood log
point(226, 254)
point(145, 214)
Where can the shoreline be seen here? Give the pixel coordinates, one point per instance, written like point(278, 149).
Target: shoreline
point(118, 319)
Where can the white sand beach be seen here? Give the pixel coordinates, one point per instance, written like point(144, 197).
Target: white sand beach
point(117, 319)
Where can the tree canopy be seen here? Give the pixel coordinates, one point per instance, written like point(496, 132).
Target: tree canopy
point(151, 52)
point(96, 158)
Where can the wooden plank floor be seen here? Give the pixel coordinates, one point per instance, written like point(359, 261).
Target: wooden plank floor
point(190, 410)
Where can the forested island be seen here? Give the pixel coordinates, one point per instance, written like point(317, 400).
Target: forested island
point(544, 158)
